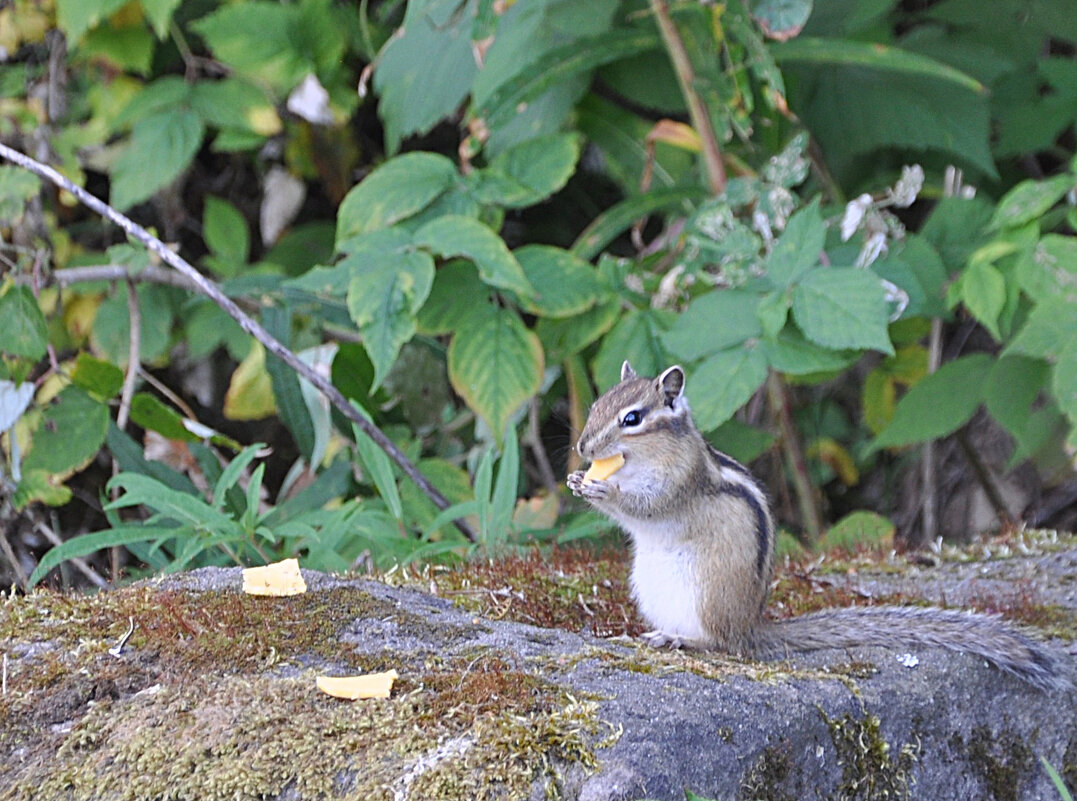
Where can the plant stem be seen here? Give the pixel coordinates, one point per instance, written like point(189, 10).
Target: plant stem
point(811, 517)
point(213, 292)
point(697, 109)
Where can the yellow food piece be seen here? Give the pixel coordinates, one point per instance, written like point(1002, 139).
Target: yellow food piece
point(601, 469)
point(279, 578)
point(371, 685)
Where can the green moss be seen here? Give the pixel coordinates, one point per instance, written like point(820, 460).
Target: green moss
point(869, 769)
point(1002, 761)
point(764, 779)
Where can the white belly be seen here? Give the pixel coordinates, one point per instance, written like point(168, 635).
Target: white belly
point(665, 587)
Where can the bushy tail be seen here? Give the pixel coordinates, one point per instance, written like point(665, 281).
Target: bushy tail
point(986, 636)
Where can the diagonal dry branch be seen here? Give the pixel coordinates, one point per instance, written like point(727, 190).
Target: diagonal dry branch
point(252, 327)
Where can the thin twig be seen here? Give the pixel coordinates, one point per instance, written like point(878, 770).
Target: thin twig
point(9, 554)
point(111, 272)
point(811, 518)
point(986, 478)
point(534, 441)
point(697, 109)
point(134, 359)
point(929, 517)
point(213, 292)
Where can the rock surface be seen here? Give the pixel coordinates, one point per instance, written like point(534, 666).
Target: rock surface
point(196, 706)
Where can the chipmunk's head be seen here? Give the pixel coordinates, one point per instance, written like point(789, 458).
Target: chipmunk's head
point(637, 418)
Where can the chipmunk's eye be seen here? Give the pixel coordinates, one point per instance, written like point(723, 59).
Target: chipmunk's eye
point(632, 419)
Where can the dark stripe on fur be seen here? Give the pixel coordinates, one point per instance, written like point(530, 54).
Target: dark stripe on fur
point(724, 460)
point(762, 533)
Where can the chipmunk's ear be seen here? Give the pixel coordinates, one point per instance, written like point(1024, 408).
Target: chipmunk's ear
point(627, 372)
point(671, 384)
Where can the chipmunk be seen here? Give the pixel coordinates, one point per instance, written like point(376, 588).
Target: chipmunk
point(703, 541)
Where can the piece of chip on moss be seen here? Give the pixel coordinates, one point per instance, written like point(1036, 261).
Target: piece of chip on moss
point(279, 578)
point(370, 685)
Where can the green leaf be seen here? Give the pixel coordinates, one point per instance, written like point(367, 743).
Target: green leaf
point(495, 366)
point(148, 412)
point(425, 72)
point(723, 383)
point(111, 335)
point(380, 470)
point(184, 509)
point(562, 337)
point(101, 379)
point(1051, 329)
point(858, 528)
point(86, 544)
point(159, 13)
point(396, 190)
point(792, 354)
point(637, 338)
point(872, 55)
point(39, 486)
point(983, 290)
point(287, 392)
point(454, 235)
point(230, 476)
point(1029, 200)
point(72, 430)
point(24, 331)
point(386, 290)
point(75, 17)
point(1064, 381)
point(773, 311)
point(225, 230)
point(1012, 388)
point(782, 19)
point(443, 312)
point(940, 404)
point(563, 284)
point(16, 187)
point(556, 66)
point(611, 223)
point(529, 172)
point(712, 322)
point(161, 148)
point(797, 249)
point(503, 499)
point(917, 269)
point(1049, 269)
point(842, 307)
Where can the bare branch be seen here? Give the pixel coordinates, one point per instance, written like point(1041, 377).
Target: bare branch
point(213, 292)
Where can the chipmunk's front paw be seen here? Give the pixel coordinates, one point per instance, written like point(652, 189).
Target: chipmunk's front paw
point(659, 639)
point(587, 488)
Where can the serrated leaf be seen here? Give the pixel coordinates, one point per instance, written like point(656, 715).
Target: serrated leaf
point(225, 231)
point(983, 291)
point(257, 39)
point(723, 383)
point(111, 334)
point(72, 430)
point(797, 249)
point(24, 331)
point(394, 191)
point(531, 171)
point(1064, 381)
point(1049, 268)
point(96, 376)
point(161, 148)
point(938, 405)
point(495, 367)
point(424, 73)
point(16, 187)
point(563, 284)
point(386, 290)
point(454, 235)
point(712, 322)
point(1029, 200)
point(159, 13)
point(843, 307)
point(773, 311)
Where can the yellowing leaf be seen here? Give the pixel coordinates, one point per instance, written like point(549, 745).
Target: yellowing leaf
point(677, 134)
point(279, 578)
point(79, 315)
point(264, 120)
point(538, 512)
point(370, 685)
point(832, 453)
point(601, 469)
point(250, 392)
